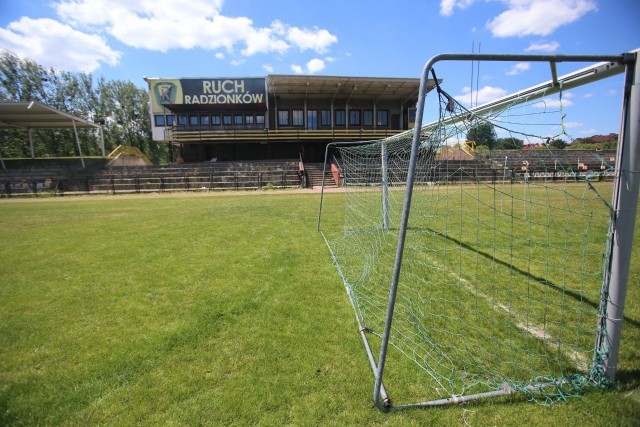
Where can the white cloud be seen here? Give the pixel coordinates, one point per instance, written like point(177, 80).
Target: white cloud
point(543, 46)
point(587, 95)
point(518, 68)
point(611, 92)
point(447, 6)
point(588, 131)
point(158, 25)
point(537, 17)
point(484, 95)
point(56, 45)
point(313, 66)
point(573, 124)
point(317, 39)
point(555, 103)
point(103, 12)
point(264, 40)
point(268, 68)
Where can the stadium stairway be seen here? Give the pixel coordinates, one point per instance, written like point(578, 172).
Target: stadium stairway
point(314, 176)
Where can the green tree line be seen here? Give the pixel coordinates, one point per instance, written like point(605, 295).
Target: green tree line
point(485, 137)
point(120, 106)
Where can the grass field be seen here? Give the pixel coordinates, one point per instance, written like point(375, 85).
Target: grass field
point(499, 285)
point(221, 310)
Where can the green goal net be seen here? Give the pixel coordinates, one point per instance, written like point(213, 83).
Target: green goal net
point(502, 260)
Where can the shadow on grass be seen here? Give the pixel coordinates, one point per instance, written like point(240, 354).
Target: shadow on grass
point(628, 379)
point(540, 280)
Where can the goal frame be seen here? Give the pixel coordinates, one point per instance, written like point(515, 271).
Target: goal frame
point(623, 215)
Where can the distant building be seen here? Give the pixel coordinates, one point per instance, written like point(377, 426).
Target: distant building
point(277, 116)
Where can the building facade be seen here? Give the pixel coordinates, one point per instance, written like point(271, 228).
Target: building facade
point(277, 116)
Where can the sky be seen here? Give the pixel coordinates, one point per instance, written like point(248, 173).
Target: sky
point(133, 39)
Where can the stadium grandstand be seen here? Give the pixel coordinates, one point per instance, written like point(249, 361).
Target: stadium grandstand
point(278, 116)
point(251, 133)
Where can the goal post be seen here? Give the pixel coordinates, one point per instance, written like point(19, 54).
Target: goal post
point(487, 279)
point(624, 207)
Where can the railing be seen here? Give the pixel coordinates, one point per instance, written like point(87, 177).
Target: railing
point(336, 170)
point(177, 135)
point(303, 173)
point(147, 183)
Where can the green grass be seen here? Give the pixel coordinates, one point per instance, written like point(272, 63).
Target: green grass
point(220, 310)
point(490, 292)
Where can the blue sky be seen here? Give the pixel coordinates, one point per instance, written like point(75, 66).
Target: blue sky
point(130, 39)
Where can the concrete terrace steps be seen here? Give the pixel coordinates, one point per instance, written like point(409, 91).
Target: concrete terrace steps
point(314, 175)
point(552, 159)
point(203, 167)
point(184, 177)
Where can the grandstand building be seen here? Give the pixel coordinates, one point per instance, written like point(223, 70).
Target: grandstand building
point(277, 116)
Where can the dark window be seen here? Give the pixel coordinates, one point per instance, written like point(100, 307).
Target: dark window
point(237, 119)
point(204, 120)
point(193, 119)
point(297, 117)
point(226, 119)
point(159, 119)
point(354, 117)
point(340, 117)
point(367, 117)
point(215, 119)
point(283, 117)
point(383, 118)
point(259, 119)
point(182, 120)
point(312, 119)
point(325, 117)
point(171, 119)
point(248, 119)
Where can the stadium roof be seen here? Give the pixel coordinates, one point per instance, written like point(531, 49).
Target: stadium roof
point(34, 115)
point(378, 87)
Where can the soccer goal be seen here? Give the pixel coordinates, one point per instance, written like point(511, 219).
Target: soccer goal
point(484, 273)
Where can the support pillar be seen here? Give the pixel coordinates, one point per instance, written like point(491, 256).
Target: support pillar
point(75, 131)
point(33, 153)
point(385, 189)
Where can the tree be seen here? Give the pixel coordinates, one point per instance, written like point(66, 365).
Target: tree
point(23, 79)
point(509, 143)
point(124, 109)
point(119, 105)
point(558, 143)
point(483, 134)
